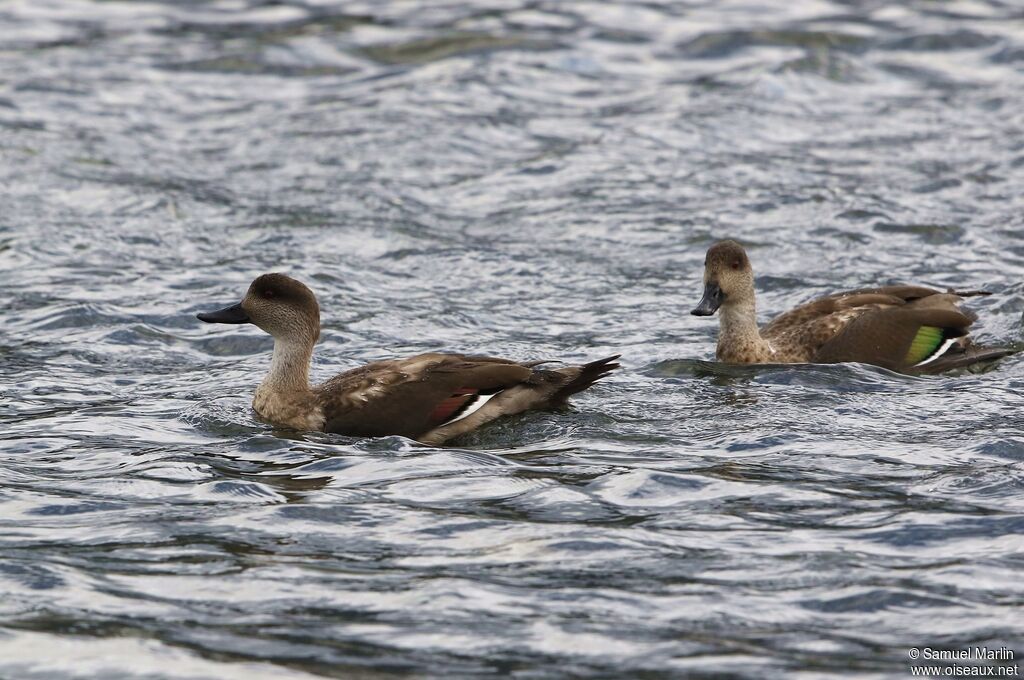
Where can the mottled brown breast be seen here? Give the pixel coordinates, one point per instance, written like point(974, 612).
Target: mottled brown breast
point(298, 410)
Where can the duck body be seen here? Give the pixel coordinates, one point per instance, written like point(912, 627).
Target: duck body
point(902, 328)
point(429, 397)
point(435, 397)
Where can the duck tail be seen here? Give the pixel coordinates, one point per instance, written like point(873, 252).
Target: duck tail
point(968, 293)
point(962, 358)
point(587, 375)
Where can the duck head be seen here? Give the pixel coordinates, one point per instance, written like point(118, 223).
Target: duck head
point(277, 304)
point(728, 278)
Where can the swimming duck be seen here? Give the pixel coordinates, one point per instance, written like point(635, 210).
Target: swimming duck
point(429, 397)
point(903, 328)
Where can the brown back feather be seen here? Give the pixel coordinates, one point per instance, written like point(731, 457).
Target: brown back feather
point(400, 396)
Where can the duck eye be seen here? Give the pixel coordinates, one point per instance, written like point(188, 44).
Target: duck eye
point(268, 293)
point(736, 264)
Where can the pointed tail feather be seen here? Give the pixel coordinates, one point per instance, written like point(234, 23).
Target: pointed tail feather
point(588, 375)
point(969, 357)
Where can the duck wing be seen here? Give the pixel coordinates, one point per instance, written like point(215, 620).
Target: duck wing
point(901, 337)
point(409, 396)
point(845, 306)
point(545, 389)
point(902, 328)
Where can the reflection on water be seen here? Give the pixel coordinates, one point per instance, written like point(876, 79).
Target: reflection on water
point(535, 180)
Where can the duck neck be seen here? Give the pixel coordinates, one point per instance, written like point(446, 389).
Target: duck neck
point(289, 368)
point(739, 340)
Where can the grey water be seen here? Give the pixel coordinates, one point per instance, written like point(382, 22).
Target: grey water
point(530, 179)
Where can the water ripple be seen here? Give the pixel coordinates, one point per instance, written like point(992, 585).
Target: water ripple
point(538, 180)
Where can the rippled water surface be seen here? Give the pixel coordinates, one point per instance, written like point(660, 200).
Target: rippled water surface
point(530, 179)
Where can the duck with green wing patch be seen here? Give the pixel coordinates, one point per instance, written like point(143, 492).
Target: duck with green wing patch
point(912, 329)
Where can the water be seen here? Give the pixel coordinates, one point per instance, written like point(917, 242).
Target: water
point(533, 180)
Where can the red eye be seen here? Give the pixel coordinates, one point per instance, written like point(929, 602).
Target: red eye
point(268, 293)
point(736, 265)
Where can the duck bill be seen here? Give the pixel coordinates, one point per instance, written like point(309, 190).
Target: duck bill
point(711, 301)
point(232, 314)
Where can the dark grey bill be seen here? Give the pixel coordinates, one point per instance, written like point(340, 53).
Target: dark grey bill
point(232, 314)
point(711, 301)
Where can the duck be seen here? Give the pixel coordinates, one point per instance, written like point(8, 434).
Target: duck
point(431, 398)
point(903, 328)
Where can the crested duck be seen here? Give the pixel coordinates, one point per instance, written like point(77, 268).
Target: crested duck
point(429, 397)
point(910, 329)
